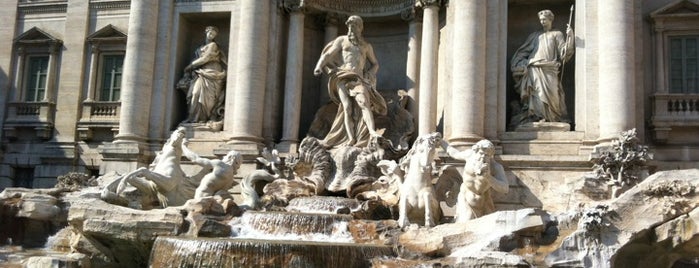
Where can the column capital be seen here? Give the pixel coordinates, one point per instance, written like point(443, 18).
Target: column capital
point(412, 14)
point(332, 18)
point(292, 6)
point(429, 3)
point(21, 50)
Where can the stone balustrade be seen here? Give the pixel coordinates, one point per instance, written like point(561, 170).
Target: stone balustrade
point(98, 114)
point(673, 110)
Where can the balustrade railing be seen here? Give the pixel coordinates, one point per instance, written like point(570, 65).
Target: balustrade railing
point(676, 107)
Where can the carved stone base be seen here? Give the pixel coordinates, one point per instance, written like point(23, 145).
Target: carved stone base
point(543, 126)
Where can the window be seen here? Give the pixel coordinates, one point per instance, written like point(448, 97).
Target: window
point(684, 64)
point(37, 71)
point(112, 66)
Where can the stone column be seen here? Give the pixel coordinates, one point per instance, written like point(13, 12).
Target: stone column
point(412, 68)
point(129, 149)
point(293, 80)
point(616, 68)
point(427, 120)
point(137, 80)
point(331, 22)
point(468, 73)
point(92, 80)
point(251, 71)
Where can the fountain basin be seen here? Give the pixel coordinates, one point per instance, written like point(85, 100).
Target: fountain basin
point(232, 252)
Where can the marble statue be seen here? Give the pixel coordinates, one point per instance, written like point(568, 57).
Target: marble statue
point(481, 175)
point(308, 174)
point(537, 70)
point(256, 179)
point(163, 179)
point(352, 66)
point(205, 91)
point(418, 203)
point(222, 174)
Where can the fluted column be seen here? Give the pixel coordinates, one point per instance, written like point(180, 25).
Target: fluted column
point(293, 80)
point(468, 73)
point(616, 67)
point(138, 64)
point(427, 120)
point(412, 68)
point(251, 71)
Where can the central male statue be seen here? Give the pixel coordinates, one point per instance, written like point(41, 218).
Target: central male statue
point(351, 64)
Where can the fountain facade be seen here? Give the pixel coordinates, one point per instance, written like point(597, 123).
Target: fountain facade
point(300, 129)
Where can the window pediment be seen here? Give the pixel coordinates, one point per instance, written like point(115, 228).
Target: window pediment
point(36, 36)
point(108, 34)
point(677, 8)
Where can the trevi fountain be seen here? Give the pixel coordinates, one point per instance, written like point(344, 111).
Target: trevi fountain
point(375, 180)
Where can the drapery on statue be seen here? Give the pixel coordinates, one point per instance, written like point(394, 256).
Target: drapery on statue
point(481, 174)
point(418, 202)
point(535, 68)
point(203, 79)
point(351, 64)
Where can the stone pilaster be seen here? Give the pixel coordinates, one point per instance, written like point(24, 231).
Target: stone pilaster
point(427, 116)
point(251, 70)
point(412, 68)
point(92, 79)
point(293, 79)
point(7, 29)
point(468, 73)
point(616, 68)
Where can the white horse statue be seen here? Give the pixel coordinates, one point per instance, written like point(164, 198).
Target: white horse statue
point(417, 199)
point(163, 179)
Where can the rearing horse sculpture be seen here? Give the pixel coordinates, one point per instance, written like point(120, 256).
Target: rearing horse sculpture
point(417, 199)
point(163, 179)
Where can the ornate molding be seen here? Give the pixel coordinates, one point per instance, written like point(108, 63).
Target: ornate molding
point(427, 3)
point(110, 5)
point(292, 6)
point(42, 7)
point(365, 8)
point(412, 14)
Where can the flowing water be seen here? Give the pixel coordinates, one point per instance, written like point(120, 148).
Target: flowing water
point(312, 235)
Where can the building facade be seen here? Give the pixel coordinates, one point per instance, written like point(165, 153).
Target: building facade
point(91, 86)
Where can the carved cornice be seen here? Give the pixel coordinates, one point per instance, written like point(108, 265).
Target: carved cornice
point(42, 7)
point(110, 5)
point(365, 8)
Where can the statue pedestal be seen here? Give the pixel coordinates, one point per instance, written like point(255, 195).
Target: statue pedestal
point(543, 126)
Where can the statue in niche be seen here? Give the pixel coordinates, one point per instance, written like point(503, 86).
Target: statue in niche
point(203, 80)
point(481, 174)
point(352, 66)
point(537, 71)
